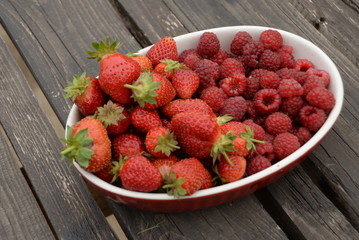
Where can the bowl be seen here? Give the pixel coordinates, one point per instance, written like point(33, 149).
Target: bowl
point(161, 202)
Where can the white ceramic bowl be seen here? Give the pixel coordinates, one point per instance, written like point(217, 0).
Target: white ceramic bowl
point(209, 197)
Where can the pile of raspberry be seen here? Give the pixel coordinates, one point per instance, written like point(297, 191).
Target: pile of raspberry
point(259, 82)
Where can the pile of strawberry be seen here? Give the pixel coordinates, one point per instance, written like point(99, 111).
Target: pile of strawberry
point(178, 123)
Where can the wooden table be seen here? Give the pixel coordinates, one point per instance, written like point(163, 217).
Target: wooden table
point(45, 199)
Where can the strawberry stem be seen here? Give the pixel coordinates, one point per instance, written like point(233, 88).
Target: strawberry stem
point(222, 146)
point(167, 143)
point(103, 49)
point(110, 113)
point(77, 86)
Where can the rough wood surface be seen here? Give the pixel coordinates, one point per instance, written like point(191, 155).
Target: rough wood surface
point(69, 206)
point(241, 219)
point(20, 214)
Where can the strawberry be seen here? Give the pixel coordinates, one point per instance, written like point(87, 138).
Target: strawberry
point(145, 119)
point(186, 177)
point(116, 70)
point(88, 144)
point(114, 117)
point(164, 165)
point(185, 82)
point(186, 105)
point(139, 174)
point(165, 48)
point(214, 97)
point(126, 145)
point(160, 142)
point(207, 180)
point(230, 173)
point(168, 68)
point(106, 174)
point(200, 135)
point(144, 62)
point(86, 93)
point(152, 90)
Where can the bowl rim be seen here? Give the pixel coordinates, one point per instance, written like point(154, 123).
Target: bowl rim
point(280, 165)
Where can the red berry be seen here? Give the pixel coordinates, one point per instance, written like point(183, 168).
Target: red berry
point(324, 75)
point(234, 85)
point(267, 101)
point(292, 105)
point(321, 97)
point(165, 48)
point(258, 131)
point(186, 53)
point(257, 164)
point(191, 61)
point(126, 144)
point(231, 66)
point(187, 105)
point(164, 165)
point(253, 48)
point(269, 80)
point(145, 119)
point(269, 60)
point(238, 42)
point(312, 117)
point(230, 173)
point(277, 123)
point(252, 87)
point(303, 135)
point(312, 81)
point(290, 88)
point(208, 44)
point(219, 57)
point(285, 144)
point(302, 65)
point(271, 39)
point(185, 82)
point(286, 60)
point(160, 142)
point(208, 73)
point(214, 97)
point(235, 107)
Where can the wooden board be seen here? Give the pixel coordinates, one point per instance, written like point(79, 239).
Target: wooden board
point(70, 208)
point(20, 214)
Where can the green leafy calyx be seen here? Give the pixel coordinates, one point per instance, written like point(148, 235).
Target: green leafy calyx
point(175, 186)
point(143, 89)
point(249, 137)
point(167, 143)
point(222, 146)
point(103, 48)
point(110, 113)
point(78, 147)
point(77, 87)
point(173, 65)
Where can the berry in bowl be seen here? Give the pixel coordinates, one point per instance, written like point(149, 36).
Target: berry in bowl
point(200, 119)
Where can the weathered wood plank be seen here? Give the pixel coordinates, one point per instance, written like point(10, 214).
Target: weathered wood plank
point(69, 206)
point(241, 219)
point(20, 214)
point(52, 37)
point(336, 20)
point(314, 214)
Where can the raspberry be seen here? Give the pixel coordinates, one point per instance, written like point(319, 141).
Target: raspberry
point(286, 60)
point(269, 60)
point(253, 48)
point(290, 88)
point(257, 164)
point(285, 73)
point(303, 135)
point(277, 123)
point(191, 61)
point(231, 66)
point(285, 144)
point(313, 81)
point(186, 53)
point(312, 117)
point(267, 101)
point(321, 97)
point(251, 111)
point(324, 75)
point(292, 105)
point(257, 129)
point(285, 49)
point(235, 107)
point(208, 44)
point(214, 97)
point(235, 85)
point(271, 39)
point(238, 42)
point(302, 65)
point(220, 56)
point(251, 88)
point(269, 80)
point(300, 77)
point(208, 73)
point(266, 149)
point(257, 73)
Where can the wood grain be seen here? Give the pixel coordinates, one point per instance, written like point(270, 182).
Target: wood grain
point(69, 206)
point(20, 214)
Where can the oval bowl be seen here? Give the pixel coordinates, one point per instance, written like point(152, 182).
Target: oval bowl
point(161, 202)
